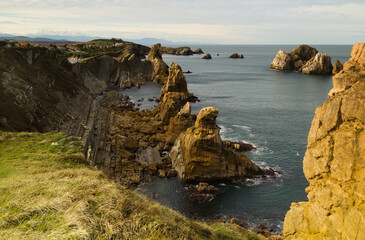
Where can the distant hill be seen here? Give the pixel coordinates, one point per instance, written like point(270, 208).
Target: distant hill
point(45, 38)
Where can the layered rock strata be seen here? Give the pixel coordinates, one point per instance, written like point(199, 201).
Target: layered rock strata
point(334, 163)
point(303, 59)
point(199, 154)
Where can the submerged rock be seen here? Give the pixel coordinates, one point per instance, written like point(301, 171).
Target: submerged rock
point(200, 155)
point(334, 162)
point(203, 192)
point(207, 56)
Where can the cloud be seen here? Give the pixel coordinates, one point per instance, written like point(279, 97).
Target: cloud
point(231, 21)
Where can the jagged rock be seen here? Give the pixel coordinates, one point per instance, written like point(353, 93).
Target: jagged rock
point(337, 67)
point(198, 51)
point(160, 69)
point(293, 60)
point(199, 154)
point(207, 56)
point(236, 55)
point(334, 162)
point(174, 94)
point(320, 64)
point(282, 61)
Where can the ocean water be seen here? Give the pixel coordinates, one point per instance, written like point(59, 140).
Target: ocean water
point(271, 109)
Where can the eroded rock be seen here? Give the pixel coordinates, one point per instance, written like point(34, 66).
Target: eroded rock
point(200, 155)
point(334, 162)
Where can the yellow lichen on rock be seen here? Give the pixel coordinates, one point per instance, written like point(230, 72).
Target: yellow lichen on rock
point(334, 163)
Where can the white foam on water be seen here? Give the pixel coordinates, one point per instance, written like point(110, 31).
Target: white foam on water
point(245, 128)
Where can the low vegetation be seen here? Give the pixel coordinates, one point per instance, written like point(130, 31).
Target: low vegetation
point(48, 192)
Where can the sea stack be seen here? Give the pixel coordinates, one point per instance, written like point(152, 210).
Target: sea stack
point(334, 163)
point(199, 154)
point(303, 59)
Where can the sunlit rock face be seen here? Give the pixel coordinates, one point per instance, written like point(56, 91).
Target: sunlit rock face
point(199, 154)
point(334, 163)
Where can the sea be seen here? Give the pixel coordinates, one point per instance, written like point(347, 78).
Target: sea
point(270, 109)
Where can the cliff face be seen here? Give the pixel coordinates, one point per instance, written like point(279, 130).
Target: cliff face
point(334, 163)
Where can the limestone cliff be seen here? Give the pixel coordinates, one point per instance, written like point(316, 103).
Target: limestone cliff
point(334, 163)
point(199, 154)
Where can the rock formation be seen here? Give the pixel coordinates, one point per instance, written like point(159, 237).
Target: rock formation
point(236, 55)
point(199, 154)
point(198, 51)
point(337, 67)
point(207, 56)
point(177, 51)
point(304, 59)
point(282, 61)
point(334, 163)
point(320, 64)
point(174, 94)
point(160, 69)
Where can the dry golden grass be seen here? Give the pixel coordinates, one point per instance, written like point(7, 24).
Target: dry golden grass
point(47, 192)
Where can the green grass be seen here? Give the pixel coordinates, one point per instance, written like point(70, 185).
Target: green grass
point(48, 192)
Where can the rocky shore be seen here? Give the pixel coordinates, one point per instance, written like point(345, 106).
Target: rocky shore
point(128, 145)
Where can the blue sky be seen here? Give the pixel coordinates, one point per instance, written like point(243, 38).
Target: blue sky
point(214, 21)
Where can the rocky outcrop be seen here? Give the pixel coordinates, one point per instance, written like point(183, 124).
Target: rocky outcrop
point(174, 95)
point(160, 69)
point(282, 61)
point(236, 55)
point(303, 59)
point(320, 64)
point(334, 163)
point(199, 154)
point(337, 67)
point(198, 51)
point(207, 56)
point(177, 51)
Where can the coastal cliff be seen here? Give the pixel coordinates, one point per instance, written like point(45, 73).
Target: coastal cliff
point(334, 163)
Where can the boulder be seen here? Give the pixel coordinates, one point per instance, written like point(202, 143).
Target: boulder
point(203, 192)
point(199, 154)
point(198, 51)
point(148, 156)
point(282, 61)
point(207, 56)
point(334, 162)
point(320, 64)
point(337, 67)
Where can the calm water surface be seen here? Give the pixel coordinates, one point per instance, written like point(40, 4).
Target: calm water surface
point(271, 109)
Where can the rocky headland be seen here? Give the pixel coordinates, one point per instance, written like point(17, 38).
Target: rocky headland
point(304, 59)
point(185, 51)
point(42, 91)
point(334, 162)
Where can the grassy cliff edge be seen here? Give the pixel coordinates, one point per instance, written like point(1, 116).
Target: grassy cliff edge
point(48, 192)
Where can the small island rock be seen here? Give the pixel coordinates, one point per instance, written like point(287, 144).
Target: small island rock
point(198, 51)
point(337, 67)
point(207, 56)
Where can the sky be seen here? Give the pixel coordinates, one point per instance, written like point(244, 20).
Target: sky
point(203, 21)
